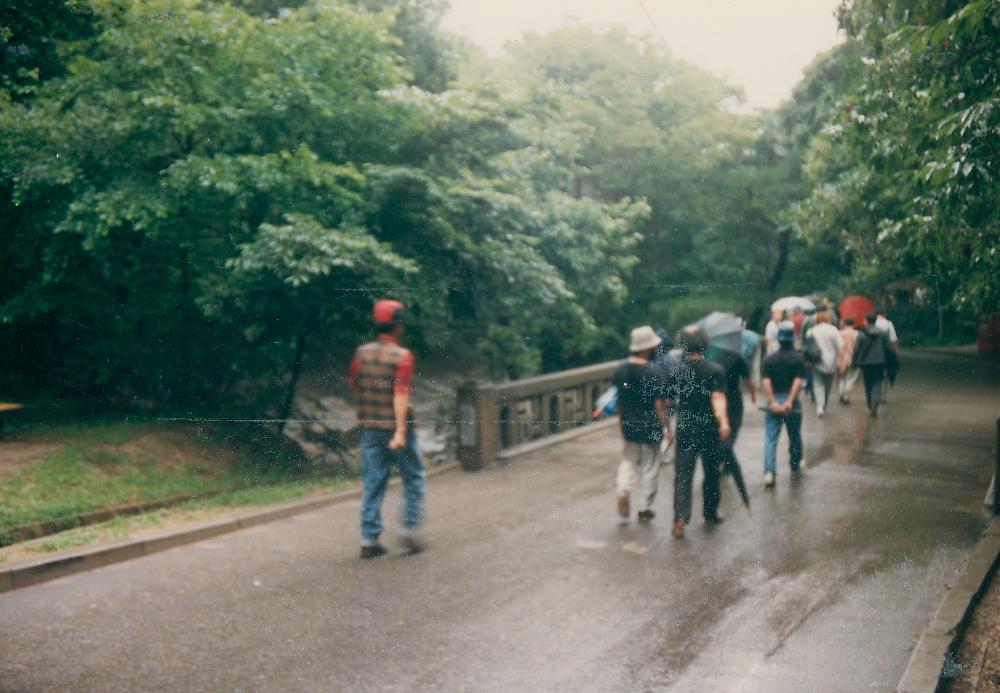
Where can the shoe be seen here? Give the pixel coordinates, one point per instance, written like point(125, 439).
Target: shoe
point(373, 551)
point(624, 509)
point(646, 515)
point(819, 412)
point(678, 530)
point(714, 519)
point(769, 480)
point(797, 473)
point(873, 413)
point(412, 546)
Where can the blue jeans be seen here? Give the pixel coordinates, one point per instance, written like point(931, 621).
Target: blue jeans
point(772, 430)
point(377, 461)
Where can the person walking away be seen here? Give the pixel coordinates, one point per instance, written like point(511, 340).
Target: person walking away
point(697, 388)
point(783, 375)
point(771, 332)
point(737, 372)
point(643, 419)
point(885, 324)
point(381, 378)
point(848, 375)
point(873, 355)
point(830, 342)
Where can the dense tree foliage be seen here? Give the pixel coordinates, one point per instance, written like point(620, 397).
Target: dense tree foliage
point(198, 193)
point(904, 176)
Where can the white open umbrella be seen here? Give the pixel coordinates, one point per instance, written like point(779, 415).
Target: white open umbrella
point(793, 303)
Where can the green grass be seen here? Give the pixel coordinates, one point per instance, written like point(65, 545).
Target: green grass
point(124, 526)
point(110, 464)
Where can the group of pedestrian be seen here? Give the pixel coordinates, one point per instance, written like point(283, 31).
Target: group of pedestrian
point(706, 399)
point(656, 385)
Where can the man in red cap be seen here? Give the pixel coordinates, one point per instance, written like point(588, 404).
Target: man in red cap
point(381, 378)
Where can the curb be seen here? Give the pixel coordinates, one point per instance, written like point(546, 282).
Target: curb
point(939, 642)
point(37, 572)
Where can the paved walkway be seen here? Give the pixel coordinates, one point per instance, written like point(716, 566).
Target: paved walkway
point(531, 583)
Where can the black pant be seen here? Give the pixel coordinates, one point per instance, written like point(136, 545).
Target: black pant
point(874, 383)
point(727, 454)
point(688, 451)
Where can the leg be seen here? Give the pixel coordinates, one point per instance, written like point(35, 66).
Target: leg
point(794, 423)
point(878, 388)
point(869, 379)
point(627, 477)
point(411, 468)
point(376, 466)
point(683, 479)
point(819, 391)
point(649, 477)
point(827, 379)
point(772, 430)
point(710, 491)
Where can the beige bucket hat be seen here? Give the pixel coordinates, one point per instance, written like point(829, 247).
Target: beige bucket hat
point(643, 339)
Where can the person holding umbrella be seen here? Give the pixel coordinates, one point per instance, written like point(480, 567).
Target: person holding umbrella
point(728, 346)
point(697, 388)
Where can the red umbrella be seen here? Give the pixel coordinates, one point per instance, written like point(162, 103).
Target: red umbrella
point(856, 307)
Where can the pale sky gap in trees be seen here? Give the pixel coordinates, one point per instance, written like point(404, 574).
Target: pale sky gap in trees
point(761, 45)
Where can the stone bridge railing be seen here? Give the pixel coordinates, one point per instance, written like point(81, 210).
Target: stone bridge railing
point(500, 421)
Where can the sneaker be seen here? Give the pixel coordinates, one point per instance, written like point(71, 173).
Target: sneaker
point(624, 509)
point(819, 412)
point(678, 530)
point(797, 473)
point(412, 546)
point(714, 519)
point(646, 515)
point(373, 551)
point(769, 480)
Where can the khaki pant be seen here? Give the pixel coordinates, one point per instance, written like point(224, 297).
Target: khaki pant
point(639, 473)
point(847, 381)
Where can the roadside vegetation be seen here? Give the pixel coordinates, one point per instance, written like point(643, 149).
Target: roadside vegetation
point(52, 478)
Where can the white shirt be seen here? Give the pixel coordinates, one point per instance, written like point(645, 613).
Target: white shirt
point(771, 335)
point(885, 324)
point(830, 341)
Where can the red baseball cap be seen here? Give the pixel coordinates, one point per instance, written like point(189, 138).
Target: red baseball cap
point(388, 310)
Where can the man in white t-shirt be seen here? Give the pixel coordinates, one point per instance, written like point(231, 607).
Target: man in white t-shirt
point(771, 332)
point(885, 324)
point(830, 341)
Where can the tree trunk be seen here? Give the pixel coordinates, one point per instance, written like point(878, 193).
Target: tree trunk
point(300, 348)
point(784, 240)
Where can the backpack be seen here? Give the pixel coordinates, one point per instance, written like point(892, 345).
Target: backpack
point(811, 351)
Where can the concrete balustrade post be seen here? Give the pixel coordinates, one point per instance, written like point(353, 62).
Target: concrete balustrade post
point(478, 425)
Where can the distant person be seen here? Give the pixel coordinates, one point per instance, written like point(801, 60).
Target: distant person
point(381, 378)
point(663, 359)
point(642, 413)
point(873, 355)
point(737, 374)
point(771, 332)
point(697, 388)
point(828, 339)
point(783, 376)
point(848, 375)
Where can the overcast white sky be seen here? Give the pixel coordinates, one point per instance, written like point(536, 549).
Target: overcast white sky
point(762, 45)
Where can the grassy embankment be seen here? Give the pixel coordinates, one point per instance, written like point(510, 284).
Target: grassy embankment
point(55, 474)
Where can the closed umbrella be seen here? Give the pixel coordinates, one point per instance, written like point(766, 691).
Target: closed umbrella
point(857, 307)
point(793, 303)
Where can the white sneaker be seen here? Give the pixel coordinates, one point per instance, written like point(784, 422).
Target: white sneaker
point(819, 412)
point(769, 480)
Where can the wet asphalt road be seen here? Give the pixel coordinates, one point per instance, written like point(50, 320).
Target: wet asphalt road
point(531, 582)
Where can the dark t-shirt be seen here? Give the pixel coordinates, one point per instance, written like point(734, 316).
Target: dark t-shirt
point(639, 386)
point(783, 367)
point(691, 385)
point(737, 371)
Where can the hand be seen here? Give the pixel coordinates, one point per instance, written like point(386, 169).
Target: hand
point(787, 408)
point(398, 441)
point(777, 408)
point(668, 433)
point(724, 432)
point(753, 397)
